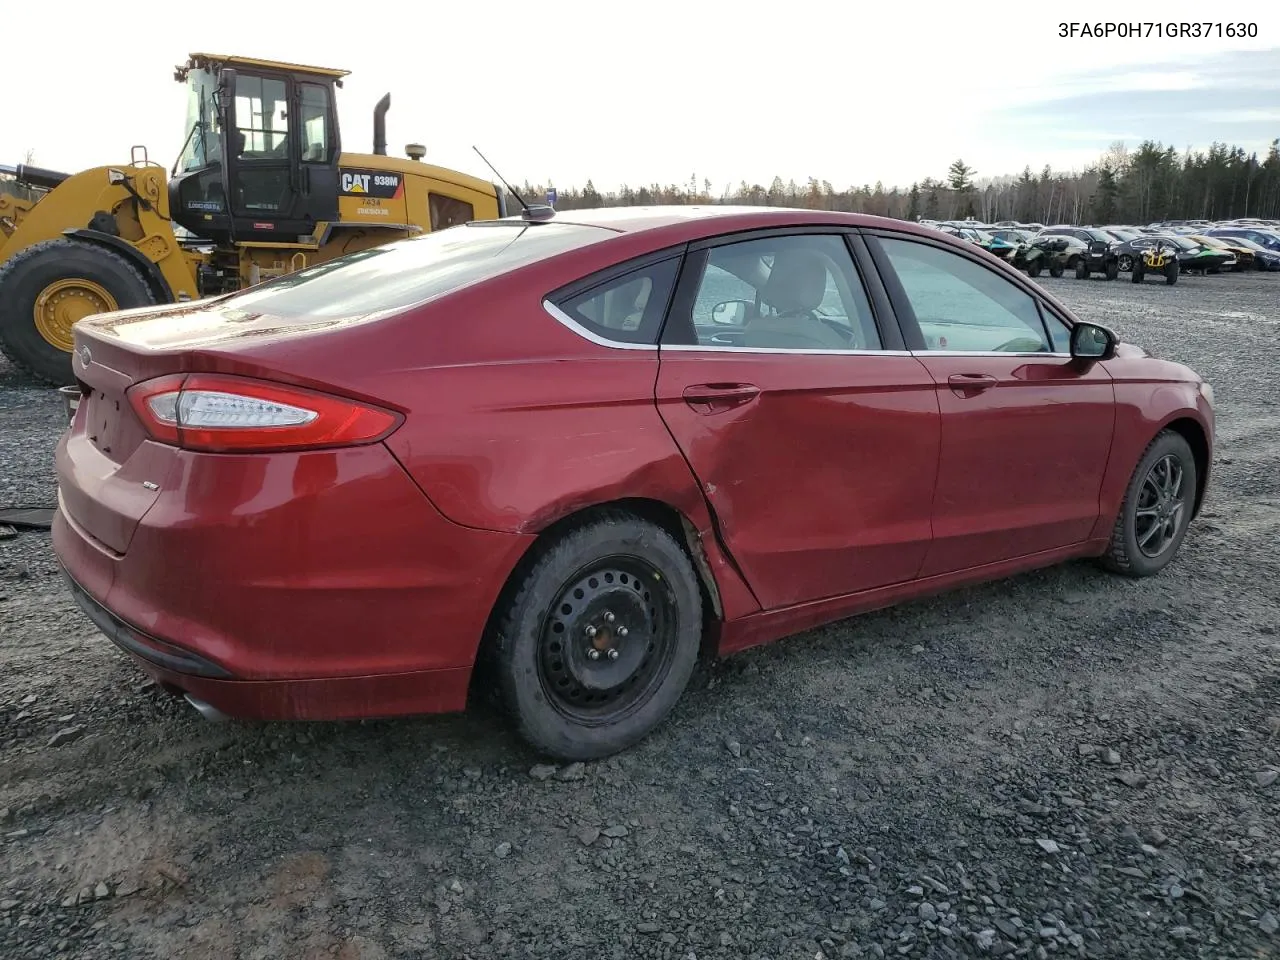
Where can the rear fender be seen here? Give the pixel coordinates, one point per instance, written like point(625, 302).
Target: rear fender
point(520, 447)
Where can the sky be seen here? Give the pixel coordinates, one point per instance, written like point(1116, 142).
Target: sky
point(559, 92)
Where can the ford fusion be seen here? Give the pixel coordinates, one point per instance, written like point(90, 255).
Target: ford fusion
point(556, 458)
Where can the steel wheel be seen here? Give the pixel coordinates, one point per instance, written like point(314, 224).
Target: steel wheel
point(597, 639)
point(1161, 506)
point(609, 635)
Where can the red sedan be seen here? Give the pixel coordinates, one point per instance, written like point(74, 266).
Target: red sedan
point(570, 453)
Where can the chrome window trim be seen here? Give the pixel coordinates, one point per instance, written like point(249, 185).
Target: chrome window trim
point(686, 348)
point(988, 353)
point(590, 335)
point(595, 338)
point(722, 348)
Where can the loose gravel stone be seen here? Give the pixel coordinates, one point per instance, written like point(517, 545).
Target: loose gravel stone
point(66, 735)
point(885, 800)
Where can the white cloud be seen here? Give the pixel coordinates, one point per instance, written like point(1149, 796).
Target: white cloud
point(637, 93)
point(1239, 116)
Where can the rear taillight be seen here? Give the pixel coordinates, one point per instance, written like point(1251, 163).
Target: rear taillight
point(225, 414)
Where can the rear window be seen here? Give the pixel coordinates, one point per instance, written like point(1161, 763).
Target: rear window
point(406, 272)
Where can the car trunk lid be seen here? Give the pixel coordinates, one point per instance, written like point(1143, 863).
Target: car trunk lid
point(109, 471)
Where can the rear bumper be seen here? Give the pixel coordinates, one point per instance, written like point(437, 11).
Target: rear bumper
point(150, 650)
point(336, 592)
point(329, 698)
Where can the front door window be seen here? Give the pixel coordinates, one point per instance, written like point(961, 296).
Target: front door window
point(962, 306)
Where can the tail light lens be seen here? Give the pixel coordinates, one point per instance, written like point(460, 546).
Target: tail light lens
point(224, 414)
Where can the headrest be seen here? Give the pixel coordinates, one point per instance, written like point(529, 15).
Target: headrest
point(797, 282)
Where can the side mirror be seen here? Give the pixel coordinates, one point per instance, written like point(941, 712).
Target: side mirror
point(1092, 342)
point(730, 313)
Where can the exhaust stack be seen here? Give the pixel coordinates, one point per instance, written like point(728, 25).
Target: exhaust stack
point(380, 125)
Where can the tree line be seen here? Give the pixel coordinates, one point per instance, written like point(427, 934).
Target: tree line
point(1152, 183)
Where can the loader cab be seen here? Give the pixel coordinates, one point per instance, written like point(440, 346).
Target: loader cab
point(260, 162)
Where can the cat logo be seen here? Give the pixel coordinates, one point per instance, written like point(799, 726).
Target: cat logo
point(355, 183)
point(370, 183)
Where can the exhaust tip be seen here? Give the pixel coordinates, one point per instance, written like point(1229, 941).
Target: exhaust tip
point(70, 400)
point(208, 711)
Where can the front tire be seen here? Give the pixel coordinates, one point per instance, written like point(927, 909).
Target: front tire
point(1171, 273)
point(1157, 507)
point(597, 642)
point(47, 287)
point(1055, 270)
point(1113, 269)
point(1082, 269)
point(1139, 273)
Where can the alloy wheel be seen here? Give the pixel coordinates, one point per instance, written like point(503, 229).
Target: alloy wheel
point(1161, 506)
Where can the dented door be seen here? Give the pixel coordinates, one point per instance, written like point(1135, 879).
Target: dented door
point(819, 468)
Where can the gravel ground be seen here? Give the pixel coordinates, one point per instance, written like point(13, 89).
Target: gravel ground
point(1061, 764)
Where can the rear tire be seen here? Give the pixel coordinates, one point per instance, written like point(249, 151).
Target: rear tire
point(1033, 269)
point(1139, 273)
point(82, 273)
point(1113, 269)
point(1126, 263)
point(566, 704)
point(1156, 512)
point(1082, 269)
point(1055, 270)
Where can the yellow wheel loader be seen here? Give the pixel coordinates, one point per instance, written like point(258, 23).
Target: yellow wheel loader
point(262, 187)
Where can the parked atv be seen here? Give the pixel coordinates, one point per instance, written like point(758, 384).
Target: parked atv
point(1054, 253)
point(1160, 258)
point(1032, 260)
point(1098, 253)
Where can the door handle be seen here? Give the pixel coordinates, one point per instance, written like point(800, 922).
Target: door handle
point(971, 381)
point(720, 395)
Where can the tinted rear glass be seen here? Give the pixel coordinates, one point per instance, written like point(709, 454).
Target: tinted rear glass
point(406, 272)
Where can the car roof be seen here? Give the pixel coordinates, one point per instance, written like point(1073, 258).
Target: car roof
point(708, 219)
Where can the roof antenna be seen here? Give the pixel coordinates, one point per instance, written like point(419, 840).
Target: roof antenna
point(538, 211)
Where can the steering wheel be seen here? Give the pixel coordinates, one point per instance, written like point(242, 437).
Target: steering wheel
point(1020, 345)
point(837, 327)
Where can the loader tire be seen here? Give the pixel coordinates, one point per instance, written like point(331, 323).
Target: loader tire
point(48, 286)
